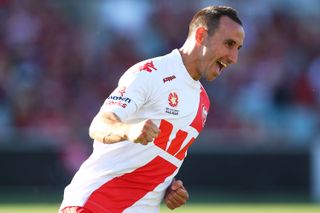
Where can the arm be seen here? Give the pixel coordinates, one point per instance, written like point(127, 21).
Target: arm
point(176, 195)
point(107, 128)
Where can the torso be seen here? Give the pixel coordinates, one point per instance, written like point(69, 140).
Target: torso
point(159, 89)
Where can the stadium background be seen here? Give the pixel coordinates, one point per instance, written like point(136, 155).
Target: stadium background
point(60, 59)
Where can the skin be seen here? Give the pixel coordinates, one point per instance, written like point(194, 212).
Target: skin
point(107, 128)
point(201, 54)
point(176, 195)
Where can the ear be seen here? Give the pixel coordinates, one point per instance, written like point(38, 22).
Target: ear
point(201, 34)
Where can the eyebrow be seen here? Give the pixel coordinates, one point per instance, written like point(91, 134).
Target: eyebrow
point(233, 42)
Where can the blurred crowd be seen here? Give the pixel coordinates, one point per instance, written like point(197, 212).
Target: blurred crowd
point(59, 61)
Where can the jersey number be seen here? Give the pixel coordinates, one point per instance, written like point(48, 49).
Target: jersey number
point(176, 143)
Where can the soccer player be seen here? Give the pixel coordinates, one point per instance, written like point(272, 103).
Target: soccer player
point(144, 128)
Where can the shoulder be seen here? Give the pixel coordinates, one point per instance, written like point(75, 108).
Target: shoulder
point(153, 69)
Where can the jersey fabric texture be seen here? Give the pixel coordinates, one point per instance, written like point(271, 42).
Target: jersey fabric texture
point(131, 177)
point(75, 209)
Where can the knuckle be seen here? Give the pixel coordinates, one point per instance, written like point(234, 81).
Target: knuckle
point(147, 122)
point(170, 207)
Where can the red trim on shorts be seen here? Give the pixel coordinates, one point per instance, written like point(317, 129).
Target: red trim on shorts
point(122, 192)
point(75, 209)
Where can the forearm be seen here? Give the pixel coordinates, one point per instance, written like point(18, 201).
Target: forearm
point(108, 128)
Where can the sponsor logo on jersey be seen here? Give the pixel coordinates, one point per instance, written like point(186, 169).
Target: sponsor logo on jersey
point(117, 103)
point(119, 98)
point(169, 78)
point(204, 115)
point(173, 99)
point(172, 111)
point(149, 67)
point(122, 90)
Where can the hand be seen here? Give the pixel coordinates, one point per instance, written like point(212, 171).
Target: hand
point(143, 132)
point(176, 195)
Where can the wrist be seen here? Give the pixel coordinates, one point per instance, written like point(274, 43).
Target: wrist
point(125, 130)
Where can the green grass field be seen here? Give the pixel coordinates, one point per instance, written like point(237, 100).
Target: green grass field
point(37, 201)
point(189, 208)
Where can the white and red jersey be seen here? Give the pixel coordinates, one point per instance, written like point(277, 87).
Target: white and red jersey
point(131, 177)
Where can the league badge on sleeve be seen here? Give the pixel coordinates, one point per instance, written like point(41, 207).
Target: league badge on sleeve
point(117, 98)
point(122, 90)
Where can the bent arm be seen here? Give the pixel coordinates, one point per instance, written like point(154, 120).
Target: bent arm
point(107, 128)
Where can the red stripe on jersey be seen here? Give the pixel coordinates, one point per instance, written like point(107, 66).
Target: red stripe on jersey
point(122, 192)
point(204, 104)
point(165, 131)
point(177, 142)
point(182, 154)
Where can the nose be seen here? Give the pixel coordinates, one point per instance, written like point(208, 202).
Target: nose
point(233, 56)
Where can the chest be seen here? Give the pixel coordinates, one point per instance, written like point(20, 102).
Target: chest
point(175, 101)
point(181, 105)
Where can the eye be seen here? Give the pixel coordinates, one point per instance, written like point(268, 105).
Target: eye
point(230, 44)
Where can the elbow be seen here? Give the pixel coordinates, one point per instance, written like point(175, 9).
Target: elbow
point(95, 132)
point(92, 130)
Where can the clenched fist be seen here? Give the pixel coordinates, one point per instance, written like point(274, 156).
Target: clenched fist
point(176, 195)
point(142, 132)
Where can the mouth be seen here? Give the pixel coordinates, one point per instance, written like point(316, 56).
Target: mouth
point(221, 65)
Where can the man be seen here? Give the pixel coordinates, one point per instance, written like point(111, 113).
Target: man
point(144, 128)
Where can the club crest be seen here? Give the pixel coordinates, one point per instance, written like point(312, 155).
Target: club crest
point(173, 99)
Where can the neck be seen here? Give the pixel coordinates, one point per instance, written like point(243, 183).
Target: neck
point(189, 60)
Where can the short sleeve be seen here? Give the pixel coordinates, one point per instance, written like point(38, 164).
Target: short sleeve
point(132, 92)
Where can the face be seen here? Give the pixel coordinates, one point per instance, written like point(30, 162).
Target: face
point(220, 49)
